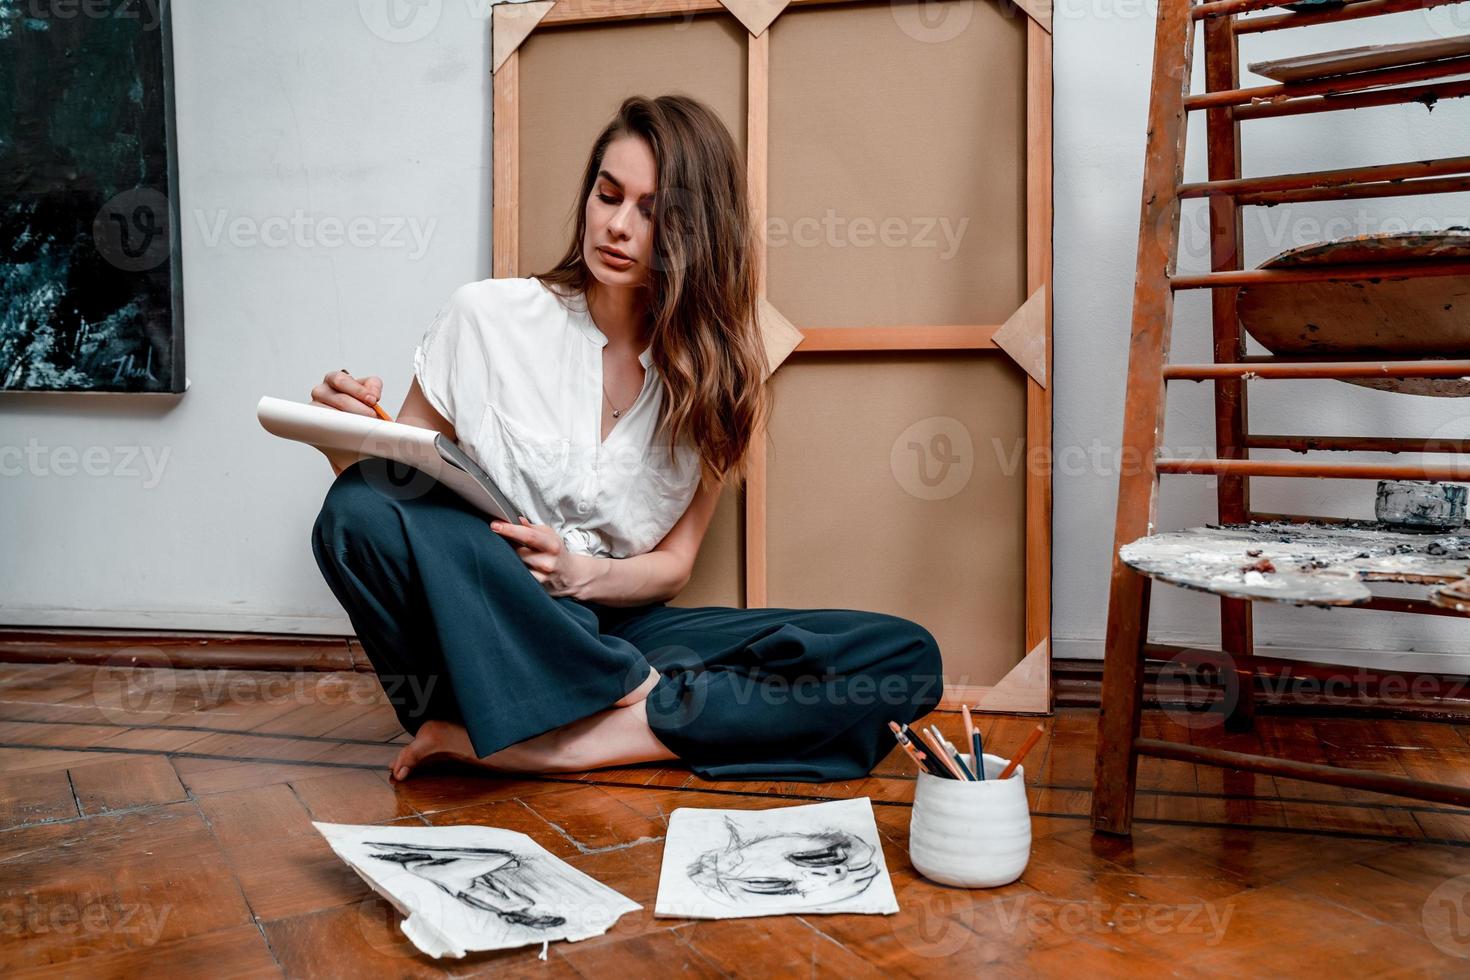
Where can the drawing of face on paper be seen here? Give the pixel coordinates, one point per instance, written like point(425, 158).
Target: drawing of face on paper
point(731, 863)
point(819, 868)
point(468, 888)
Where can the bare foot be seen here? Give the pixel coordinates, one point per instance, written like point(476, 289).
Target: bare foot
point(436, 741)
point(615, 737)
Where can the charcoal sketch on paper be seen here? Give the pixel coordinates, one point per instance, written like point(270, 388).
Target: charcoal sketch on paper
point(463, 889)
point(824, 857)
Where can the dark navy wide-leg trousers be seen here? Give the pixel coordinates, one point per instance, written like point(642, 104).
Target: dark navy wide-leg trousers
point(459, 629)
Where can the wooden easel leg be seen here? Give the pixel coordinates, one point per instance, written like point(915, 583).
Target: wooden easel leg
point(1122, 701)
point(1236, 634)
point(1143, 417)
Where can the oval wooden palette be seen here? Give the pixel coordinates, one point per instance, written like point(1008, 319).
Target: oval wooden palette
point(1402, 319)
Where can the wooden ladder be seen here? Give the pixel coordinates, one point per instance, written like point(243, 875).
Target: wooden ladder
point(1226, 105)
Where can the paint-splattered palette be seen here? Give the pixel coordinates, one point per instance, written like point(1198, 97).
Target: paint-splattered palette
point(1302, 564)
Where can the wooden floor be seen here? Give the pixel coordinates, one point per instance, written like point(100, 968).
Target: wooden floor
point(157, 822)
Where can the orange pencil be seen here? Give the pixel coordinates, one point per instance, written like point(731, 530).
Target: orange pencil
point(1025, 747)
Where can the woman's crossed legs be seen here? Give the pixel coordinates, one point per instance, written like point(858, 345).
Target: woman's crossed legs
point(484, 667)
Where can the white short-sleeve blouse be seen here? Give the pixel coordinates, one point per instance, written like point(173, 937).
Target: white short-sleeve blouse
point(519, 375)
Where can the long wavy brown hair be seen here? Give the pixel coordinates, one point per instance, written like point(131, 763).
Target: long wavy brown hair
point(702, 284)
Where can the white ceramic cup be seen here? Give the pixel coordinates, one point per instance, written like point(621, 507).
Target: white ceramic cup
point(971, 834)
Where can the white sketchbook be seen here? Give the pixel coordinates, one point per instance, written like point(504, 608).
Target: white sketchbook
point(465, 889)
point(423, 449)
point(820, 857)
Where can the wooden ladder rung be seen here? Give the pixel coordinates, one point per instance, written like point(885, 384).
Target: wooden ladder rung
point(1376, 782)
point(1328, 178)
point(1318, 369)
point(1211, 466)
point(1353, 11)
point(1360, 444)
point(1222, 8)
point(1322, 273)
point(1428, 94)
point(1336, 85)
point(1351, 192)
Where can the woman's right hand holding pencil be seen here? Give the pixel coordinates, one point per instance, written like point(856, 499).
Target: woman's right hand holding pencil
point(342, 391)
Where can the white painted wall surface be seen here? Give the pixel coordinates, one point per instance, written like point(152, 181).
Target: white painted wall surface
point(297, 118)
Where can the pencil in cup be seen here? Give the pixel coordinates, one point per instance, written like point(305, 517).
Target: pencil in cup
point(950, 752)
point(907, 745)
point(936, 745)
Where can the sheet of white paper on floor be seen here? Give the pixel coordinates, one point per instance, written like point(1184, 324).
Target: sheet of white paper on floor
point(819, 857)
point(463, 889)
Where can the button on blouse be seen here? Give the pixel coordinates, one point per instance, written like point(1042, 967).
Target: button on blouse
point(519, 375)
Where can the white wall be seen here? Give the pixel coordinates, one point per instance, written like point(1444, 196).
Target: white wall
point(302, 108)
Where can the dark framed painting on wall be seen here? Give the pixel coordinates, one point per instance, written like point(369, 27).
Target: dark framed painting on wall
point(91, 295)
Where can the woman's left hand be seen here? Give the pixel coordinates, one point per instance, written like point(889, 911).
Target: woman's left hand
point(560, 572)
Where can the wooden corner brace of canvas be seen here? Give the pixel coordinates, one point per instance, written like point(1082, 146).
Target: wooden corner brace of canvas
point(781, 338)
point(1025, 689)
point(512, 23)
point(1023, 336)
